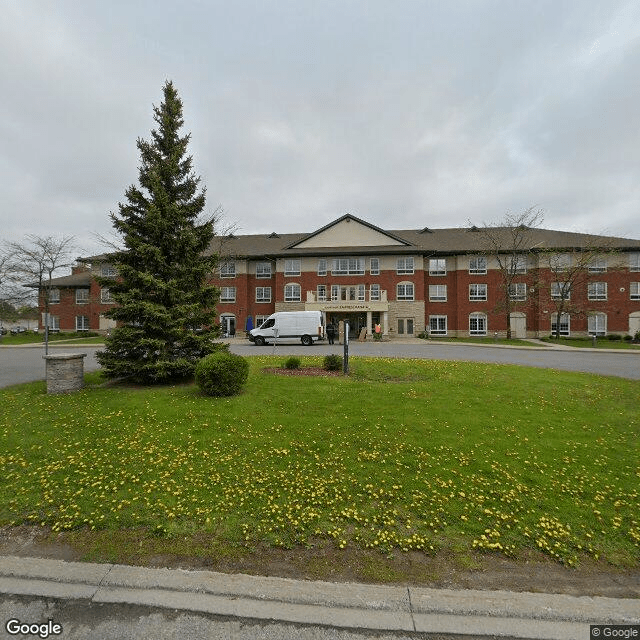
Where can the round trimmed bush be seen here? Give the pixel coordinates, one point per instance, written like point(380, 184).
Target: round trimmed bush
point(292, 363)
point(222, 374)
point(332, 363)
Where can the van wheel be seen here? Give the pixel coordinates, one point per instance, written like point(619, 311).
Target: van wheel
point(259, 340)
point(307, 341)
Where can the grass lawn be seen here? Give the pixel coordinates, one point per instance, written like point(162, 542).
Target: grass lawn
point(29, 337)
point(489, 341)
point(601, 343)
point(401, 456)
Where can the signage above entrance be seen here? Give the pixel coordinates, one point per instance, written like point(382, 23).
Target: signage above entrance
point(342, 306)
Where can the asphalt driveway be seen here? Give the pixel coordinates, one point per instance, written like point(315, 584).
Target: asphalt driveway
point(25, 363)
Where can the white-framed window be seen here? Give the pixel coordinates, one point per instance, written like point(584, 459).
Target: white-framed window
point(634, 262)
point(107, 271)
point(404, 266)
point(374, 292)
point(292, 293)
point(517, 264)
point(597, 324)
point(477, 292)
point(404, 291)
point(477, 264)
point(105, 295)
point(438, 292)
point(405, 326)
point(347, 267)
point(292, 267)
point(227, 294)
point(82, 323)
point(228, 269)
point(634, 290)
point(322, 267)
point(518, 291)
point(559, 262)
point(477, 324)
point(321, 293)
point(438, 325)
point(374, 266)
point(53, 322)
point(598, 265)
point(437, 267)
point(263, 270)
point(82, 296)
point(597, 290)
point(54, 296)
point(263, 294)
point(348, 292)
point(561, 290)
point(565, 324)
point(260, 319)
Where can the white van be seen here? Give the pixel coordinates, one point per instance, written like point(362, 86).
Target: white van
point(306, 326)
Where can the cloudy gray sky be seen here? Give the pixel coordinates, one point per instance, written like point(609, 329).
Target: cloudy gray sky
point(408, 114)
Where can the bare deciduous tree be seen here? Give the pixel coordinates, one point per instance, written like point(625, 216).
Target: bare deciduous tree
point(572, 269)
point(34, 263)
point(510, 243)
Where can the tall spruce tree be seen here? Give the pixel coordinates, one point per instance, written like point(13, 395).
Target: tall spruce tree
point(165, 306)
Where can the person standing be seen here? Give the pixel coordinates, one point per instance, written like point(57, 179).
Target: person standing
point(331, 332)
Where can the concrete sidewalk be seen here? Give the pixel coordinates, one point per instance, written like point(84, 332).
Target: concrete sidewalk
point(331, 605)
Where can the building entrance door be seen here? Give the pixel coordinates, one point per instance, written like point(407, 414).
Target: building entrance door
point(634, 323)
point(228, 323)
point(518, 321)
point(356, 321)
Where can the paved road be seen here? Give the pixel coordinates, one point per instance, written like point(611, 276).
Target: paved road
point(116, 601)
point(24, 364)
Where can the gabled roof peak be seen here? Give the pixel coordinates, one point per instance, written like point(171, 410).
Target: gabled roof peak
point(331, 236)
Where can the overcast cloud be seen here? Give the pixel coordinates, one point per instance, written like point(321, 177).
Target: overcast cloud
point(407, 114)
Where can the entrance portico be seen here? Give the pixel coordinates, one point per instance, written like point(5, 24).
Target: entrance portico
point(358, 313)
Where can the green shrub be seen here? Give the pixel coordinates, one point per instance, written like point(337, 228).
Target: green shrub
point(614, 336)
point(292, 363)
point(222, 374)
point(332, 362)
point(627, 338)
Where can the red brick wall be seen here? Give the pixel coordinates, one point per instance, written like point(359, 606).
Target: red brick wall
point(67, 309)
point(457, 308)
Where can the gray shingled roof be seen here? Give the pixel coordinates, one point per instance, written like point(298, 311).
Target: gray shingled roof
point(423, 241)
point(434, 241)
point(82, 279)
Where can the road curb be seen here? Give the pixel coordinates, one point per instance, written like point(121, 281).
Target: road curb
point(339, 605)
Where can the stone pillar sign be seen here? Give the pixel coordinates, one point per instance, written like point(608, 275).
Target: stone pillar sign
point(65, 372)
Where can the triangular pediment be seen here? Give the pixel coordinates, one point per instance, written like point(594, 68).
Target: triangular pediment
point(348, 231)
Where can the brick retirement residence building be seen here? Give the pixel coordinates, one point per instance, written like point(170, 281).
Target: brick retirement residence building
point(438, 281)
